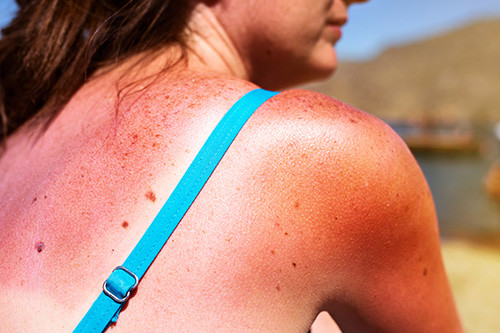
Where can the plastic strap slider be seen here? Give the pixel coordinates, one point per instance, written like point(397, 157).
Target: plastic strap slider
point(116, 283)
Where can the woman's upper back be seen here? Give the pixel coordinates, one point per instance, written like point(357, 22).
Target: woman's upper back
point(304, 213)
point(315, 206)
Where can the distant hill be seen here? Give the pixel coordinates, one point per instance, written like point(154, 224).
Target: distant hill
point(455, 76)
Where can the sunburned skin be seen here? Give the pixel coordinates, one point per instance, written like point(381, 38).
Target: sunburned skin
point(295, 194)
point(316, 205)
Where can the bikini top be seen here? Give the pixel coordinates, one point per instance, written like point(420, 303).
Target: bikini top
point(125, 278)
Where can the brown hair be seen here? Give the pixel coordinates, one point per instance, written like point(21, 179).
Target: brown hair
point(52, 46)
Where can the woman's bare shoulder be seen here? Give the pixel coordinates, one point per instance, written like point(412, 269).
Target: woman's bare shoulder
point(348, 196)
point(314, 135)
point(362, 174)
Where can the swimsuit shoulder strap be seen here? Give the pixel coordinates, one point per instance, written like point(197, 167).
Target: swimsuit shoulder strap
point(124, 278)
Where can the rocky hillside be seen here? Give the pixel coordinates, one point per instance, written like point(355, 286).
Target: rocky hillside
point(455, 76)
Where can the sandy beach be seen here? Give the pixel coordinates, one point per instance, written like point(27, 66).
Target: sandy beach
point(474, 273)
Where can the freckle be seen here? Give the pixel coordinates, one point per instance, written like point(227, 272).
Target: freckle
point(187, 268)
point(40, 246)
point(45, 197)
point(112, 250)
point(22, 282)
point(124, 224)
point(286, 233)
point(273, 252)
point(425, 271)
point(294, 265)
point(154, 144)
point(187, 151)
point(277, 225)
point(278, 288)
point(151, 196)
point(296, 204)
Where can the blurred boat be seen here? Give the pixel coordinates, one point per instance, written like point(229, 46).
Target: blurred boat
point(437, 137)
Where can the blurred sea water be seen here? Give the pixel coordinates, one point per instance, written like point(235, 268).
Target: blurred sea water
point(457, 184)
point(469, 221)
point(456, 161)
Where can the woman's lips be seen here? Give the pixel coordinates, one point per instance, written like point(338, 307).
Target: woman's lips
point(334, 28)
point(333, 32)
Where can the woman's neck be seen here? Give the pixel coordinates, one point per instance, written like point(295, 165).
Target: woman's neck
point(210, 48)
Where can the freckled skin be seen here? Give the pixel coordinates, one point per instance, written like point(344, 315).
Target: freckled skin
point(313, 217)
point(316, 206)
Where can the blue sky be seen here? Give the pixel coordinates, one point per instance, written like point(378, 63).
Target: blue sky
point(379, 24)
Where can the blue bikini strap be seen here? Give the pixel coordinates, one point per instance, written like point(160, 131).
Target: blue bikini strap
point(123, 279)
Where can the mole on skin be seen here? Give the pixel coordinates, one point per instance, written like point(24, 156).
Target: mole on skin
point(40, 246)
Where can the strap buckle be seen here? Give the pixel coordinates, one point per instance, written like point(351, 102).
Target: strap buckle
point(115, 298)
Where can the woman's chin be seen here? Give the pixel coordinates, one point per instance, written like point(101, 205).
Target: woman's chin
point(321, 67)
point(325, 72)
point(318, 73)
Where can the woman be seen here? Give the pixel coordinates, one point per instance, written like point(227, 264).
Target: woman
point(315, 206)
